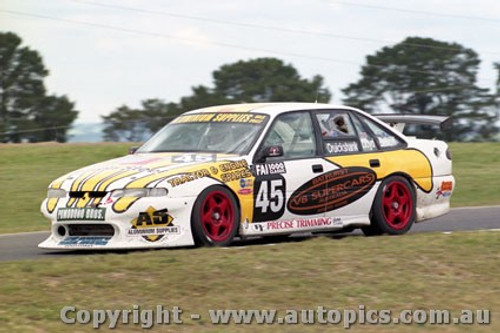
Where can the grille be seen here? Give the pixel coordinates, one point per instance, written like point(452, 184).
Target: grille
point(90, 230)
point(91, 194)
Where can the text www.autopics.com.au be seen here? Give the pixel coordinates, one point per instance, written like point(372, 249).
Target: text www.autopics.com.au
point(161, 315)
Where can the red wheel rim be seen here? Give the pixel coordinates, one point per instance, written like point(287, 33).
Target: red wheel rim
point(217, 216)
point(397, 204)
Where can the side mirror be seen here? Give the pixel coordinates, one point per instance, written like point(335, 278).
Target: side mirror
point(132, 150)
point(271, 151)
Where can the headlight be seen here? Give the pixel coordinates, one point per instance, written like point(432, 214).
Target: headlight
point(56, 193)
point(157, 192)
point(139, 192)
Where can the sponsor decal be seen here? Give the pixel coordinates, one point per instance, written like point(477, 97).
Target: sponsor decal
point(224, 117)
point(81, 214)
point(153, 225)
point(257, 227)
point(188, 177)
point(245, 191)
point(232, 171)
point(341, 147)
point(305, 223)
point(84, 241)
point(367, 142)
point(337, 221)
point(387, 141)
point(269, 169)
point(229, 171)
point(331, 190)
point(280, 225)
point(245, 186)
point(444, 190)
point(244, 183)
point(231, 166)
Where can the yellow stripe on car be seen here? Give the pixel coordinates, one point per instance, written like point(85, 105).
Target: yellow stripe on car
point(52, 202)
point(416, 164)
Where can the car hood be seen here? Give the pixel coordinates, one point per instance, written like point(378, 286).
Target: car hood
point(129, 170)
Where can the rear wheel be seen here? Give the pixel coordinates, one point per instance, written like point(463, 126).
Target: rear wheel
point(393, 211)
point(215, 217)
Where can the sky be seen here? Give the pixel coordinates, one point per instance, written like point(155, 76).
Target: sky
point(106, 53)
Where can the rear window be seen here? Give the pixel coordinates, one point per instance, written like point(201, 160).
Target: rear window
point(383, 136)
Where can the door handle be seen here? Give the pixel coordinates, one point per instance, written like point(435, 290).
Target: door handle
point(317, 168)
point(375, 163)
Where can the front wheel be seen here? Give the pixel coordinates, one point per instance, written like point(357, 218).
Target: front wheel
point(393, 211)
point(215, 217)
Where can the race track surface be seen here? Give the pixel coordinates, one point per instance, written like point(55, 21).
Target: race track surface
point(24, 245)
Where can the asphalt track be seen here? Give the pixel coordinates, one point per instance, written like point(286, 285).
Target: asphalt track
point(24, 245)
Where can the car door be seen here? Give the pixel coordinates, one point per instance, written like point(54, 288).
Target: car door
point(282, 195)
point(356, 152)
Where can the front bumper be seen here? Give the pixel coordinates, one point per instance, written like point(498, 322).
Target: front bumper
point(151, 222)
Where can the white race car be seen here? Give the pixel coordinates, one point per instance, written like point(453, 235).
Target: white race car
point(255, 169)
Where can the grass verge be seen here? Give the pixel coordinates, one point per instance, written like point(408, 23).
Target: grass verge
point(421, 271)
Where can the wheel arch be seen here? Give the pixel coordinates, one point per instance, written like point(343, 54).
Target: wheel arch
point(400, 174)
point(406, 176)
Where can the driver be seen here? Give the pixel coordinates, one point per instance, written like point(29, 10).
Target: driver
point(335, 126)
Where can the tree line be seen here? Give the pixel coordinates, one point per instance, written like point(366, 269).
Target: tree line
point(416, 76)
point(27, 112)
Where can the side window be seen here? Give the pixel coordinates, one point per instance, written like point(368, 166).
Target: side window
point(367, 142)
point(337, 130)
point(295, 133)
point(384, 137)
point(335, 125)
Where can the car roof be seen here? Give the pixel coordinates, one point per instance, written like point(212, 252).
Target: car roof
point(271, 109)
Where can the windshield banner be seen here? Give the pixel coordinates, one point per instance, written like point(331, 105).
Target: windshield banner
point(246, 118)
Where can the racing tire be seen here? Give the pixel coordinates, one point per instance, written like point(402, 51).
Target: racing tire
point(215, 217)
point(393, 210)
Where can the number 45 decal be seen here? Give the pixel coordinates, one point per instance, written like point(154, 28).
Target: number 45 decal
point(269, 194)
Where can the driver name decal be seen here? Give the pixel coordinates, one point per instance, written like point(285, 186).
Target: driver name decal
point(332, 190)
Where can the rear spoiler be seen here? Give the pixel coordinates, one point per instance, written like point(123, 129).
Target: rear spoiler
point(398, 121)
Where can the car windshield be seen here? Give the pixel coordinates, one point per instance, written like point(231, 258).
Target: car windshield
point(232, 133)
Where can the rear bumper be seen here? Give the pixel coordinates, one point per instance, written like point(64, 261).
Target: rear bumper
point(437, 201)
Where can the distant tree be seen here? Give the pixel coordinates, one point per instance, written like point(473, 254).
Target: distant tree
point(257, 80)
point(436, 80)
point(202, 96)
point(24, 105)
point(53, 113)
point(497, 92)
point(127, 124)
point(267, 80)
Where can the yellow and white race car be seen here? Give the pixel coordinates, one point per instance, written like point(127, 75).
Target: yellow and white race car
point(246, 170)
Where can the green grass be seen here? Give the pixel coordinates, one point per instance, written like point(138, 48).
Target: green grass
point(419, 271)
point(476, 167)
point(26, 170)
